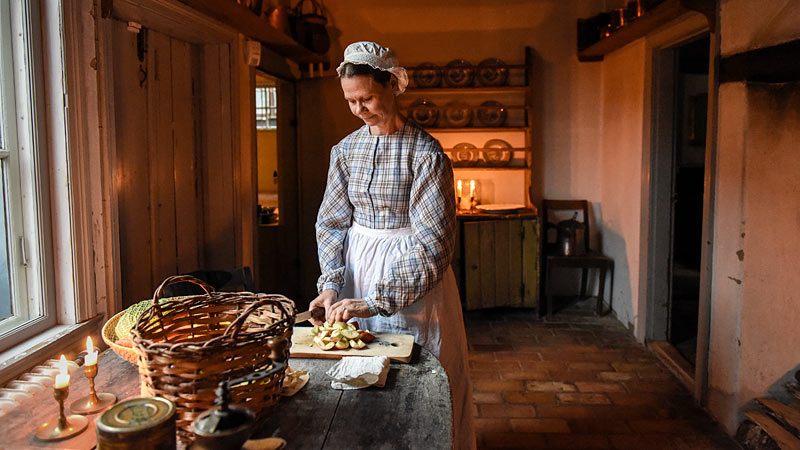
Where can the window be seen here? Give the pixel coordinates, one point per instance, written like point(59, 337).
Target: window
point(266, 107)
point(25, 309)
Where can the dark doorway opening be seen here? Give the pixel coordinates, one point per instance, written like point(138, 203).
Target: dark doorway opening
point(691, 100)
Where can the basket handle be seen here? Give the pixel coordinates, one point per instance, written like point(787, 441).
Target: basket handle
point(159, 294)
point(236, 325)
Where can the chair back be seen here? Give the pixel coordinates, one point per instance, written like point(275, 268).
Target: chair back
point(551, 206)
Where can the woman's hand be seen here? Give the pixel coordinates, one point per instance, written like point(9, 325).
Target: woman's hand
point(346, 309)
point(324, 301)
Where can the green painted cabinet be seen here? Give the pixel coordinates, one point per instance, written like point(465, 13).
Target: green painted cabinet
point(497, 262)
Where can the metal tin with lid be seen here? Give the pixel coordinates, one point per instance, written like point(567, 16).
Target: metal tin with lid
point(138, 423)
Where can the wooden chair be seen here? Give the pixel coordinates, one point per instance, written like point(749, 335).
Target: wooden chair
point(589, 260)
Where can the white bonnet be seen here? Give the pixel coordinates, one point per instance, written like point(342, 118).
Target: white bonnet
point(377, 57)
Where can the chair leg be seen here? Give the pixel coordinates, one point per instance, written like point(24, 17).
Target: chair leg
point(601, 292)
point(549, 291)
point(584, 276)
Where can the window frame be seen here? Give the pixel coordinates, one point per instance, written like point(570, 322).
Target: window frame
point(28, 199)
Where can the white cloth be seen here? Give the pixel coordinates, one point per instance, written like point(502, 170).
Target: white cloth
point(377, 57)
point(358, 372)
point(435, 320)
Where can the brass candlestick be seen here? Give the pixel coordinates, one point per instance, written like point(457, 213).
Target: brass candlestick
point(93, 402)
point(64, 426)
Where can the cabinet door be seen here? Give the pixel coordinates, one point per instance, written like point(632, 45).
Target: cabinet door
point(493, 264)
point(530, 263)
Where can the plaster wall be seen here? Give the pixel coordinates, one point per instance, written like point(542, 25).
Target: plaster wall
point(726, 284)
point(621, 172)
point(754, 344)
point(747, 24)
point(770, 342)
point(567, 106)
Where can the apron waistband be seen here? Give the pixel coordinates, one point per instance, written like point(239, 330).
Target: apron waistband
point(381, 233)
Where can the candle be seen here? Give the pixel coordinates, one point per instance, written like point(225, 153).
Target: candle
point(459, 190)
point(471, 189)
point(91, 353)
point(62, 379)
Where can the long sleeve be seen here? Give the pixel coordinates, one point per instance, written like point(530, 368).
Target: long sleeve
point(433, 220)
point(333, 220)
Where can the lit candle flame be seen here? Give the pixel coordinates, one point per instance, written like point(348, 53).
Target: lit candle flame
point(459, 190)
point(62, 379)
point(91, 353)
point(471, 188)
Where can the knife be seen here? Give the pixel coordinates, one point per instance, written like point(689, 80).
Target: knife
point(316, 313)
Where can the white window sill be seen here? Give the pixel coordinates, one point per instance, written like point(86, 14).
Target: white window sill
point(47, 344)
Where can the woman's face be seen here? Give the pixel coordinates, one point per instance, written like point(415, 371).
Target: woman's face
point(371, 102)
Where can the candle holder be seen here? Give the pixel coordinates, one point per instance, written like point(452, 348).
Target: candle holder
point(93, 402)
point(64, 426)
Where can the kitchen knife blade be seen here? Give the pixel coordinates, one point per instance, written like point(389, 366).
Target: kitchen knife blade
point(316, 313)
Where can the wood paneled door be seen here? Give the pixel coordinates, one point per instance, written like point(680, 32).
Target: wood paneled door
point(175, 160)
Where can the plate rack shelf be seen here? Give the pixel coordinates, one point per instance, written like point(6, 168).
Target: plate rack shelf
point(514, 97)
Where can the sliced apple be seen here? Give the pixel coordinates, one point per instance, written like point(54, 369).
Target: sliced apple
point(315, 329)
point(340, 325)
point(357, 344)
point(350, 334)
point(342, 344)
point(366, 336)
point(353, 326)
point(328, 345)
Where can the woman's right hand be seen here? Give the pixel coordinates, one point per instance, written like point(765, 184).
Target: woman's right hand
point(324, 300)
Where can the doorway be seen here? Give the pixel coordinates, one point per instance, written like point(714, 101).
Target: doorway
point(680, 99)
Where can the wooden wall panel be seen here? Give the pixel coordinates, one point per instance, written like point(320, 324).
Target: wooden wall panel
point(161, 156)
point(188, 225)
point(131, 172)
point(220, 234)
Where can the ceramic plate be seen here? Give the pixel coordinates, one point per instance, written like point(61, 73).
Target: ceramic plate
point(492, 114)
point(501, 208)
point(458, 114)
point(459, 73)
point(464, 154)
point(424, 112)
point(496, 152)
point(427, 75)
point(492, 72)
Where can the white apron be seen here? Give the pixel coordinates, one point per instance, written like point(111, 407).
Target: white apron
point(435, 320)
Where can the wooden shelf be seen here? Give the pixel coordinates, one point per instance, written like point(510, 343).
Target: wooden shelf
point(650, 20)
point(483, 167)
point(472, 90)
point(243, 20)
point(474, 129)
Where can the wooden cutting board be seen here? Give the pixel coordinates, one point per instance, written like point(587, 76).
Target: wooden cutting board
point(397, 347)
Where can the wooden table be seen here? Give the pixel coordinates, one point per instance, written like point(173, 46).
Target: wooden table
point(412, 411)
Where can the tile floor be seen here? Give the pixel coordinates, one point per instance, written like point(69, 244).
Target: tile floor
point(577, 382)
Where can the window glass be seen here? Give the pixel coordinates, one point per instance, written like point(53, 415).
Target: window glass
point(266, 93)
point(23, 308)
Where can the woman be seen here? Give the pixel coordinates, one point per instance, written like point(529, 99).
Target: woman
point(386, 226)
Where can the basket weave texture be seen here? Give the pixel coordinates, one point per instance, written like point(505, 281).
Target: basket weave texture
point(110, 338)
point(187, 347)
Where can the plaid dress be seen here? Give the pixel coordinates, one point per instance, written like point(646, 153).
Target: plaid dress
point(386, 182)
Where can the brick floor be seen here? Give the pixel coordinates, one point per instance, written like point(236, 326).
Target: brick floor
point(577, 382)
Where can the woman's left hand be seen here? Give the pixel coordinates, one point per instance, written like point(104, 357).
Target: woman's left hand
point(346, 309)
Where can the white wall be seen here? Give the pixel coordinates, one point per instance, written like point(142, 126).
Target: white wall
point(621, 168)
point(755, 345)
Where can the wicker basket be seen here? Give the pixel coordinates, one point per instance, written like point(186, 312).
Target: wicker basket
point(187, 347)
point(110, 338)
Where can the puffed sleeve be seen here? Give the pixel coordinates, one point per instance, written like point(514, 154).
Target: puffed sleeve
point(433, 220)
point(333, 221)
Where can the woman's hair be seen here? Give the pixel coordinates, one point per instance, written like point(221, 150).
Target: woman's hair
point(351, 70)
